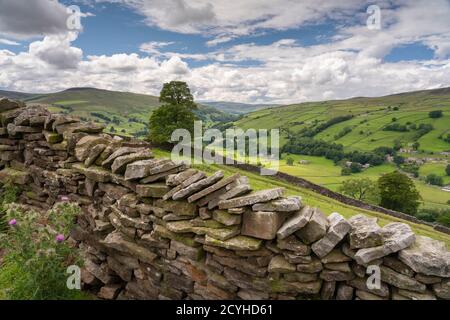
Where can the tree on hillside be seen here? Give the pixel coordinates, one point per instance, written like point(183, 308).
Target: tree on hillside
point(435, 114)
point(177, 93)
point(361, 189)
point(447, 170)
point(174, 113)
point(398, 192)
point(434, 179)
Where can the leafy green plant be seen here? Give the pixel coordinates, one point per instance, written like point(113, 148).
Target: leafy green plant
point(361, 189)
point(289, 161)
point(8, 194)
point(435, 114)
point(37, 253)
point(441, 216)
point(398, 192)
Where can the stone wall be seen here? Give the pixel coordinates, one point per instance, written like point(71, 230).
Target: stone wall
point(156, 229)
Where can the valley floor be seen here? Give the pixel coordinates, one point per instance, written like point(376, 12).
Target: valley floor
point(323, 172)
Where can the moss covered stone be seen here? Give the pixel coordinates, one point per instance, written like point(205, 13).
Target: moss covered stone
point(236, 243)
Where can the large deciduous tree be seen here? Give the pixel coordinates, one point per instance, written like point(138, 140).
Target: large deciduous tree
point(398, 192)
point(361, 189)
point(176, 112)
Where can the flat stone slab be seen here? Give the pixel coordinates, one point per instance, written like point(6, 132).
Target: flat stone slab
point(236, 243)
point(339, 227)
point(181, 208)
point(186, 226)
point(427, 295)
point(239, 190)
point(281, 265)
point(6, 104)
point(199, 185)
point(14, 176)
point(85, 144)
point(120, 163)
point(162, 175)
point(295, 222)
point(427, 256)
point(164, 166)
point(396, 236)
point(176, 179)
point(294, 245)
point(226, 218)
point(94, 154)
point(141, 168)
point(400, 280)
point(116, 241)
point(315, 229)
point(52, 137)
point(256, 197)
point(261, 224)
point(93, 172)
point(126, 221)
point(222, 183)
point(214, 196)
point(360, 283)
point(442, 290)
point(190, 180)
point(365, 233)
point(280, 205)
point(153, 190)
point(119, 152)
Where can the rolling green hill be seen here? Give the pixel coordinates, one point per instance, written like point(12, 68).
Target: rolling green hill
point(123, 112)
point(16, 95)
point(370, 117)
point(365, 125)
point(235, 107)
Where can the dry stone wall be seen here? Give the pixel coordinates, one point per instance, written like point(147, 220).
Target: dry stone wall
point(156, 229)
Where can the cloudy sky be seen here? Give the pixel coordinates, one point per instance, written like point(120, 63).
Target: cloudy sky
point(279, 51)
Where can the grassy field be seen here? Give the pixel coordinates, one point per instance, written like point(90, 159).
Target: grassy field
point(311, 198)
point(323, 172)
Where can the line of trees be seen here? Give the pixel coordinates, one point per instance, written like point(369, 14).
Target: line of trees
point(395, 191)
point(332, 151)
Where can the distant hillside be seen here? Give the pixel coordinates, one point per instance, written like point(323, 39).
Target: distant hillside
point(16, 95)
point(122, 112)
point(369, 126)
point(364, 124)
point(237, 108)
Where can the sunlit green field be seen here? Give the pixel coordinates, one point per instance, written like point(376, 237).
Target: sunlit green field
point(323, 172)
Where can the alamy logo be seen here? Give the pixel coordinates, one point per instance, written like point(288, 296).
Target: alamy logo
point(74, 279)
point(374, 280)
point(74, 20)
point(374, 19)
point(257, 147)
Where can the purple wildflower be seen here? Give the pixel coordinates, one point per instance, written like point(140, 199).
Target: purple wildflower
point(60, 238)
point(12, 222)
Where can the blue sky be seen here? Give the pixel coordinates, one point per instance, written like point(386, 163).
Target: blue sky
point(258, 51)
